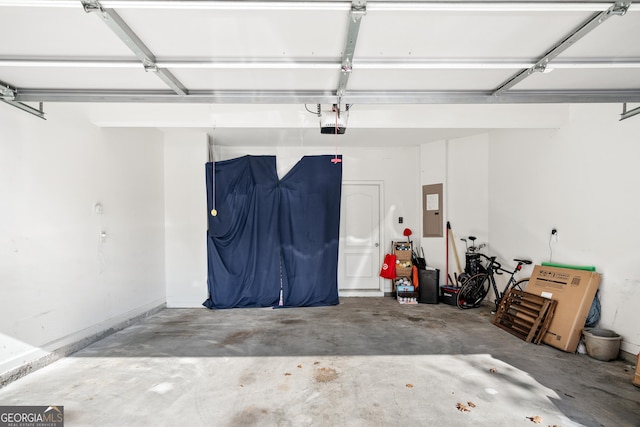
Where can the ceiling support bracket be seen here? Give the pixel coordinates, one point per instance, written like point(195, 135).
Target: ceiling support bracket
point(133, 42)
point(92, 6)
point(357, 12)
point(619, 8)
point(150, 66)
point(8, 95)
point(27, 108)
point(628, 113)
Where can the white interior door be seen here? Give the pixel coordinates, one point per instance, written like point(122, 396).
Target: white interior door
point(359, 250)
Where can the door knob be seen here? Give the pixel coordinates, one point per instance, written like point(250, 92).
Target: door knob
point(377, 245)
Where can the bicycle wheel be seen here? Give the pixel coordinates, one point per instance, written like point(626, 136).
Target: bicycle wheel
point(473, 291)
point(521, 285)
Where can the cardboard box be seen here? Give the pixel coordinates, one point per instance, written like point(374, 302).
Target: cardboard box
point(574, 291)
point(636, 379)
point(449, 295)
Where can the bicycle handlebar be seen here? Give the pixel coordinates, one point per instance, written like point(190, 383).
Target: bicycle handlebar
point(497, 267)
point(492, 261)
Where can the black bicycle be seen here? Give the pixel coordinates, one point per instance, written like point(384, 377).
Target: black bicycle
point(476, 287)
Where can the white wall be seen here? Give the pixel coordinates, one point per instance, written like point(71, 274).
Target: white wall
point(397, 167)
point(461, 165)
point(581, 179)
point(60, 281)
point(511, 187)
point(186, 153)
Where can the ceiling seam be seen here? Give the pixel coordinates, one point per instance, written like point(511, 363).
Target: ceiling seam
point(337, 5)
point(300, 63)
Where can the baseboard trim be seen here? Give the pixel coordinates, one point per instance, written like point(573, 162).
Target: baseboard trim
point(360, 293)
point(56, 353)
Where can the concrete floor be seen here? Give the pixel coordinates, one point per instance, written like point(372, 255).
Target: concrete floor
point(366, 362)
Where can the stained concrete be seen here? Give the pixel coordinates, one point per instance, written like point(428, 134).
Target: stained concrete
point(365, 362)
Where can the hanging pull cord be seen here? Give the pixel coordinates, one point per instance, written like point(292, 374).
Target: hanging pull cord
point(336, 160)
point(214, 212)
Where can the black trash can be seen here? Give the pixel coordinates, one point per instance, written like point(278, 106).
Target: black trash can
point(428, 290)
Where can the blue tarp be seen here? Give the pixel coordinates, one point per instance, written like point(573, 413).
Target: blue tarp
point(270, 233)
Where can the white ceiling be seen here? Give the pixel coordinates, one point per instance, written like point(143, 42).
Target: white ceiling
point(420, 70)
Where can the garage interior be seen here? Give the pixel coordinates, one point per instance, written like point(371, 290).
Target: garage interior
point(524, 111)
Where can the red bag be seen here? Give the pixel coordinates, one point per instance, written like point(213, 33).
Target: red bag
point(389, 267)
